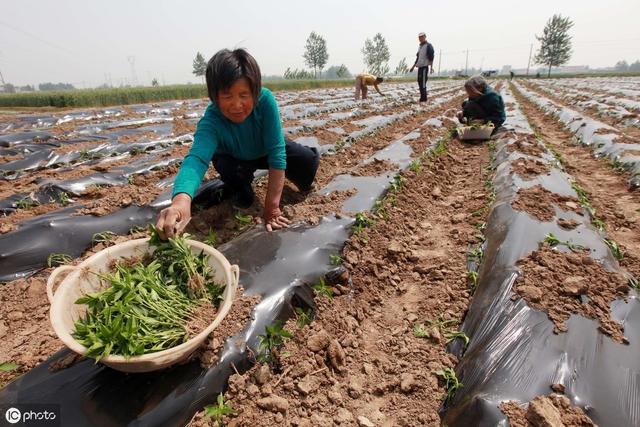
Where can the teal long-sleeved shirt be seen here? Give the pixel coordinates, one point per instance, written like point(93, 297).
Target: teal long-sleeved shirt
point(257, 136)
point(493, 105)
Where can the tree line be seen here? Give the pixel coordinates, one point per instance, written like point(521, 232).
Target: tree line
point(375, 53)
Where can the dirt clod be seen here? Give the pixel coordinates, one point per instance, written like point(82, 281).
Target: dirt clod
point(319, 341)
point(562, 280)
point(273, 403)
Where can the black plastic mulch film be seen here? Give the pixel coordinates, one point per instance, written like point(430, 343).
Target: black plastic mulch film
point(513, 353)
point(601, 137)
point(25, 251)
point(278, 266)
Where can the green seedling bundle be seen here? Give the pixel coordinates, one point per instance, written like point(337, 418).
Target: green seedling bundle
point(151, 304)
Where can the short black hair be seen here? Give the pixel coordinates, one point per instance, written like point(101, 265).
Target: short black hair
point(379, 79)
point(227, 67)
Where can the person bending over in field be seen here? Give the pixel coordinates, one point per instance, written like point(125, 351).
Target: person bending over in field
point(364, 80)
point(239, 133)
point(484, 104)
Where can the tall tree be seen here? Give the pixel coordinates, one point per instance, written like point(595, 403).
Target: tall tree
point(343, 72)
point(315, 53)
point(376, 55)
point(199, 65)
point(336, 72)
point(621, 66)
point(555, 43)
point(402, 68)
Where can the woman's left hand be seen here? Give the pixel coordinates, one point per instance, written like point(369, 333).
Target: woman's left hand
point(273, 219)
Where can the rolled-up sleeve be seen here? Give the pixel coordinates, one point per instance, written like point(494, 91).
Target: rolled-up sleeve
point(196, 163)
point(272, 133)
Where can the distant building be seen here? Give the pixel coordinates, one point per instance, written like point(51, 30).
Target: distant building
point(505, 70)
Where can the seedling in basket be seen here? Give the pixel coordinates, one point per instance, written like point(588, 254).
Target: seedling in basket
point(149, 303)
point(54, 260)
point(451, 382)
point(218, 411)
point(552, 240)
point(273, 337)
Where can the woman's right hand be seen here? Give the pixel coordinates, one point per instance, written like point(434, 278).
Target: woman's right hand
point(174, 219)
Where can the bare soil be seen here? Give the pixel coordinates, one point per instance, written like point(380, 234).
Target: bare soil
point(359, 359)
point(607, 189)
point(234, 322)
point(528, 168)
point(553, 410)
point(538, 202)
point(557, 282)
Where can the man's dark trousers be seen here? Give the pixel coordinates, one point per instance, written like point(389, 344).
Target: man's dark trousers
point(423, 76)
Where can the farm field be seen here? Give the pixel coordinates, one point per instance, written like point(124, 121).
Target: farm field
point(424, 281)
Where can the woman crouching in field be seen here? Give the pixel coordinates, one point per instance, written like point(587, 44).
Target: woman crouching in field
point(484, 104)
point(239, 133)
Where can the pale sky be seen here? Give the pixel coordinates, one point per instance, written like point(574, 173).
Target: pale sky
point(86, 42)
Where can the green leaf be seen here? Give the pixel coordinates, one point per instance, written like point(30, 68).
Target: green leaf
point(8, 366)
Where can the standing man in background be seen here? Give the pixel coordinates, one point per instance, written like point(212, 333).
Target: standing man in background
point(424, 60)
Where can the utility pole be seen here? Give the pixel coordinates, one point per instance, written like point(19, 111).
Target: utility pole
point(132, 62)
point(439, 62)
point(529, 62)
point(466, 64)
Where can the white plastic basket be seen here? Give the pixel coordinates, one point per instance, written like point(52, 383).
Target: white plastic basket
point(477, 133)
point(79, 281)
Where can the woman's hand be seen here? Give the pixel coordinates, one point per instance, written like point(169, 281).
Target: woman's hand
point(273, 218)
point(174, 219)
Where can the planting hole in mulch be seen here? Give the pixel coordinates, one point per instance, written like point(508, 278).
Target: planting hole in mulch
point(527, 145)
point(558, 282)
point(538, 202)
point(528, 168)
point(567, 224)
point(553, 410)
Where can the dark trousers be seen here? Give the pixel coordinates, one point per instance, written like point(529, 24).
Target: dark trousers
point(473, 111)
point(302, 164)
point(423, 76)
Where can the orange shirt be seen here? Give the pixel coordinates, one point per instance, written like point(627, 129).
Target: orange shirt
point(368, 79)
